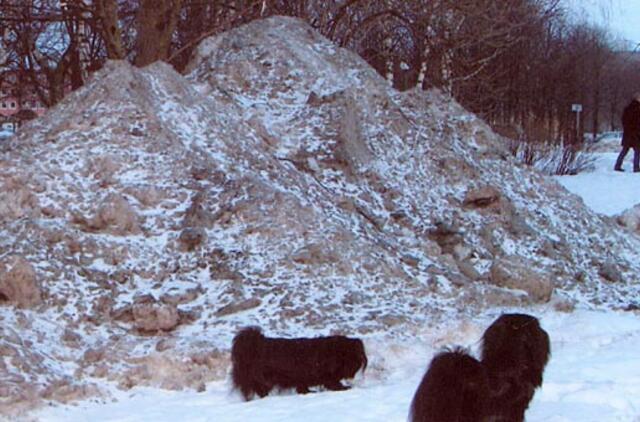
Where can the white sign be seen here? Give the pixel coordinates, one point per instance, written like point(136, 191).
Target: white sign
point(576, 107)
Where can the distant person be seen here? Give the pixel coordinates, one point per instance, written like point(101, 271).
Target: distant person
point(631, 134)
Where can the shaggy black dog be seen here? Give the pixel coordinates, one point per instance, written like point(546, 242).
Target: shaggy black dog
point(454, 389)
point(457, 387)
point(261, 363)
point(515, 351)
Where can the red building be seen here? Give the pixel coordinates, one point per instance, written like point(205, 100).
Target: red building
point(14, 109)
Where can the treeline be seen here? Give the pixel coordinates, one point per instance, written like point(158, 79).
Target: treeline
point(519, 64)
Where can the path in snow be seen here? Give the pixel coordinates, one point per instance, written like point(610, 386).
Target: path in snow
point(593, 375)
point(604, 190)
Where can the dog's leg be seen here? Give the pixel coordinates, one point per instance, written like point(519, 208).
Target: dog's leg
point(336, 386)
point(262, 390)
point(302, 389)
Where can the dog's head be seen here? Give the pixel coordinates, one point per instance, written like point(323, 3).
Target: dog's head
point(347, 355)
point(516, 343)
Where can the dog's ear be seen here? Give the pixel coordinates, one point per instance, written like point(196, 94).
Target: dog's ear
point(539, 350)
point(361, 355)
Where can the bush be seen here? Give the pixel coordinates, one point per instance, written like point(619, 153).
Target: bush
point(554, 158)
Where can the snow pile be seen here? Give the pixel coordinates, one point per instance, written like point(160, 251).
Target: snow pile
point(425, 176)
point(281, 183)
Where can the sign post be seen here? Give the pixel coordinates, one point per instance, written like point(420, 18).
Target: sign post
point(577, 108)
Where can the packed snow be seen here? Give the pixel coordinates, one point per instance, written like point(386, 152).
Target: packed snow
point(604, 190)
point(593, 374)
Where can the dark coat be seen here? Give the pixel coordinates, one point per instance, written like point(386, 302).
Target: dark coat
point(261, 363)
point(631, 125)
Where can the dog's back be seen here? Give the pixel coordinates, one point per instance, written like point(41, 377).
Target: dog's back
point(454, 389)
point(515, 352)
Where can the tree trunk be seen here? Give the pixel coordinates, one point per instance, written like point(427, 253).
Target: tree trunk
point(75, 28)
point(107, 11)
point(75, 67)
point(596, 111)
point(156, 22)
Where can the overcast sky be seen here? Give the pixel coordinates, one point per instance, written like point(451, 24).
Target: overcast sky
point(622, 17)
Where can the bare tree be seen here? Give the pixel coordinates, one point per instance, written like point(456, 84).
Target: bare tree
point(519, 64)
point(107, 14)
point(156, 23)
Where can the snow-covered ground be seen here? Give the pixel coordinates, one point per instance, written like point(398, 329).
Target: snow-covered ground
point(604, 190)
point(593, 375)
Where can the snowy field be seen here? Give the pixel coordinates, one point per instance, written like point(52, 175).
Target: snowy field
point(604, 190)
point(593, 374)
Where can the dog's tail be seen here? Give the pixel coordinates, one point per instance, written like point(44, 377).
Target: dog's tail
point(245, 350)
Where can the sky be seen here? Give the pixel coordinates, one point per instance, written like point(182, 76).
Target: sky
point(622, 17)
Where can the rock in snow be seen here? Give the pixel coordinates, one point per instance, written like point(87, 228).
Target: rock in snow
point(280, 182)
point(18, 283)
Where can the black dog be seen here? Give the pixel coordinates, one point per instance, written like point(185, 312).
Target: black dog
point(515, 351)
point(261, 363)
point(499, 388)
point(454, 389)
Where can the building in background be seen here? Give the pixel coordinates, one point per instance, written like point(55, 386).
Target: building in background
point(18, 103)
